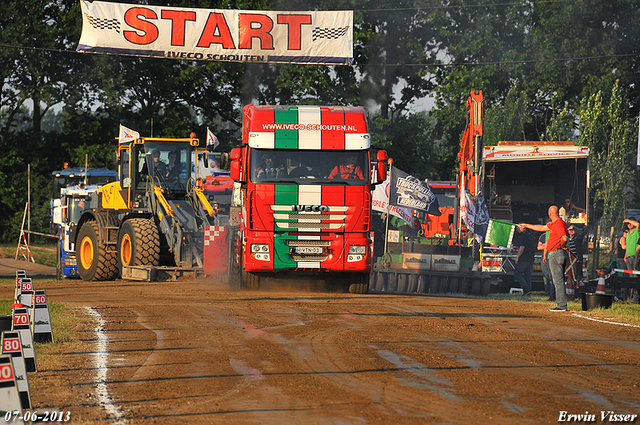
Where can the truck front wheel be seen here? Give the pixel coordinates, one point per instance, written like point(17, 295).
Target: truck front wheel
point(138, 243)
point(359, 283)
point(250, 281)
point(94, 262)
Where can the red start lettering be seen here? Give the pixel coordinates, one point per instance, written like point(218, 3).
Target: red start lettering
point(178, 18)
point(294, 24)
point(149, 30)
point(216, 31)
point(255, 26)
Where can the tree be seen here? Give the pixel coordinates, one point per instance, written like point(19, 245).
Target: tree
point(408, 139)
point(610, 133)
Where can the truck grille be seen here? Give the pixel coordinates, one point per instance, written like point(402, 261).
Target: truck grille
point(308, 221)
point(299, 257)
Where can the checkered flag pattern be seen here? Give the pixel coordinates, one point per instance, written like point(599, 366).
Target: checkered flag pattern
point(104, 24)
point(211, 233)
point(329, 32)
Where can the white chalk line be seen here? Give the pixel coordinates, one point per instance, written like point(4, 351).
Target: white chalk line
point(100, 359)
point(605, 321)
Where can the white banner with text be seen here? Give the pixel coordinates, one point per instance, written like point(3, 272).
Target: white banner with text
point(217, 34)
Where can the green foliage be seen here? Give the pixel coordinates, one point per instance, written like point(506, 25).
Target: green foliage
point(409, 140)
point(508, 120)
point(605, 126)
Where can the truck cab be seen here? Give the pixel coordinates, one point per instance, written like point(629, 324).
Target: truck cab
point(303, 190)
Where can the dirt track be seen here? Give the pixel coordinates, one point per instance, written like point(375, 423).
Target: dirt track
point(187, 352)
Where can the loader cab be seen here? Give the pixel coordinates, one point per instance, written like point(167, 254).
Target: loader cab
point(162, 163)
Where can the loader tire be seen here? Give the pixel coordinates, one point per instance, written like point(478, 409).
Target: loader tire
point(94, 262)
point(138, 243)
point(359, 283)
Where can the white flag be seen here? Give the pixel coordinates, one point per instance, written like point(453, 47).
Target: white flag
point(212, 139)
point(380, 202)
point(467, 209)
point(126, 134)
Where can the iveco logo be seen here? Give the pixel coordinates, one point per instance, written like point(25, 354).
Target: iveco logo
point(310, 208)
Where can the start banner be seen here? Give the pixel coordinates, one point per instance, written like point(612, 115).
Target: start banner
point(217, 34)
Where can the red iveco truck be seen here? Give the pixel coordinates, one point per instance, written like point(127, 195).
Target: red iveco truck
point(303, 181)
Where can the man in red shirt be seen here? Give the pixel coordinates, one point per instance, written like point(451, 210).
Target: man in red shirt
point(556, 253)
point(347, 171)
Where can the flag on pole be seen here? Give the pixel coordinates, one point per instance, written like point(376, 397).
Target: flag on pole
point(409, 192)
point(500, 233)
point(380, 202)
point(467, 209)
point(482, 217)
point(212, 140)
point(126, 134)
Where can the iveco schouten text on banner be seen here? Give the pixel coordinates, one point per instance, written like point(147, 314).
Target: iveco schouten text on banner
point(216, 34)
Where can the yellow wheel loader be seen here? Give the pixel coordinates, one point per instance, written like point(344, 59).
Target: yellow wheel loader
point(151, 223)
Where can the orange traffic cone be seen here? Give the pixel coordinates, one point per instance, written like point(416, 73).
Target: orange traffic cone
point(600, 289)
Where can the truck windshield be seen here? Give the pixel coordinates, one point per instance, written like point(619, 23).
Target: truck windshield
point(309, 166)
point(76, 206)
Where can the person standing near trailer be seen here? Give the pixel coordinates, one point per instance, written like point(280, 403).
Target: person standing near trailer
point(556, 253)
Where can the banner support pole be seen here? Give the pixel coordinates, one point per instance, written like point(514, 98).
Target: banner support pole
point(386, 229)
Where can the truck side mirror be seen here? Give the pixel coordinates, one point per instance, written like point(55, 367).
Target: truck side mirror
point(236, 164)
point(381, 166)
point(57, 212)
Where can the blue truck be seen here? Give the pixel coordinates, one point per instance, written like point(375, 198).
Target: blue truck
point(72, 187)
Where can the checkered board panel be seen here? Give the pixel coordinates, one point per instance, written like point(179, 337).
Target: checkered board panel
point(330, 33)
point(213, 232)
point(216, 254)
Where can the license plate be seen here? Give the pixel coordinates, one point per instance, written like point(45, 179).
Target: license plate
point(308, 250)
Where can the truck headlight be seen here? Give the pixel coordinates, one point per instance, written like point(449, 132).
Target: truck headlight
point(356, 253)
point(260, 252)
point(357, 249)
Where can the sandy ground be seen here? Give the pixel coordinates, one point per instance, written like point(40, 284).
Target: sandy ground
point(198, 352)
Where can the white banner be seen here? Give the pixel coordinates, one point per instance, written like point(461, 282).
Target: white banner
point(467, 209)
point(380, 202)
point(217, 34)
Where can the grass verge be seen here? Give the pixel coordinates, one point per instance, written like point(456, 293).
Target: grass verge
point(45, 255)
point(66, 324)
point(623, 312)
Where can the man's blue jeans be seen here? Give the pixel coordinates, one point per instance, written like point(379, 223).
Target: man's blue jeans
point(549, 289)
point(522, 273)
point(557, 260)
